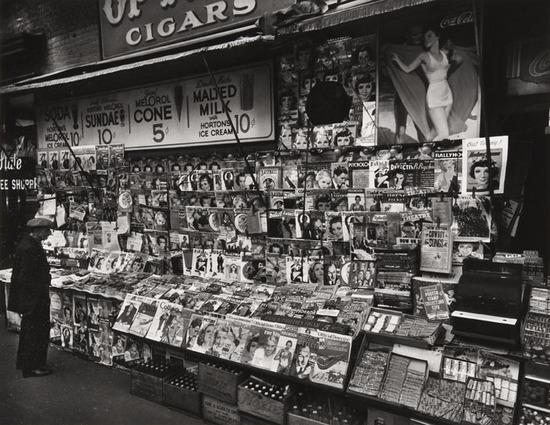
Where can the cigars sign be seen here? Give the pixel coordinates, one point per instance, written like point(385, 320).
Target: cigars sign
point(178, 113)
point(132, 25)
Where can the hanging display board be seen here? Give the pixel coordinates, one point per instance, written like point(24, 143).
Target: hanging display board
point(178, 113)
point(135, 25)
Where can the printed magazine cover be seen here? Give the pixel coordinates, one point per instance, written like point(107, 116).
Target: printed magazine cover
point(437, 311)
point(305, 357)
point(481, 173)
point(434, 302)
point(436, 249)
point(127, 312)
point(168, 324)
point(144, 317)
point(332, 361)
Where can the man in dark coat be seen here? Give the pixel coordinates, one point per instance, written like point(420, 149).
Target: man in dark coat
point(29, 296)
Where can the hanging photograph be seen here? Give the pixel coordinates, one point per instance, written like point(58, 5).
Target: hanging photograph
point(429, 79)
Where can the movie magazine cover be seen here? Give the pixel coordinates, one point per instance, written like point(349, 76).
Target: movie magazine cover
point(332, 360)
point(479, 173)
point(436, 249)
point(463, 250)
point(297, 269)
point(128, 312)
point(269, 178)
point(305, 356)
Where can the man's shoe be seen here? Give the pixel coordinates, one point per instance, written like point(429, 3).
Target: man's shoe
point(36, 373)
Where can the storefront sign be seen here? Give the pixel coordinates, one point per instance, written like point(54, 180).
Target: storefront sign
point(17, 173)
point(132, 25)
point(180, 113)
point(528, 70)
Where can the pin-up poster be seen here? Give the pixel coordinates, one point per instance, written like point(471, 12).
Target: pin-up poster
point(429, 79)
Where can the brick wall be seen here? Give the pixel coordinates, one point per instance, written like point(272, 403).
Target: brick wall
point(71, 28)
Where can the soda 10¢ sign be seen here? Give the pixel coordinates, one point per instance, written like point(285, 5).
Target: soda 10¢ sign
point(178, 113)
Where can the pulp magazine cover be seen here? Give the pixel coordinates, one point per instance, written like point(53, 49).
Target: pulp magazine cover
point(332, 361)
point(93, 313)
point(127, 312)
point(305, 356)
point(481, 173)
point(411, 173)
point(144, 317)
point(436, 249)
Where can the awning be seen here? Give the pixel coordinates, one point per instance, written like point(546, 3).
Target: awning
point(348, 13)
point(31, 83)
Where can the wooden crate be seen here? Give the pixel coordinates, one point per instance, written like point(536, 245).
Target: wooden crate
point(146, 386)
point(253, 420)
point(302, 420)
point(262, 406)
point(219, 383)
point(218, 412)
point(181, 398)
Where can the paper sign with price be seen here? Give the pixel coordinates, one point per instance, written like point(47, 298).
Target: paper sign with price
point(177, 113)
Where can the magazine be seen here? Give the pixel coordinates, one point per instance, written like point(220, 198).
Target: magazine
point(144, 317)
point(305, 356)
point(128, 312)
point(332, 360)
point(411, 173)
point(167, 325)
point(472, 219)
point(480, 173)
point(436, 249)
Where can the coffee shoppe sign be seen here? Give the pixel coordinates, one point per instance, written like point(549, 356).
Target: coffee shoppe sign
point(177, 113)
point(132, 25)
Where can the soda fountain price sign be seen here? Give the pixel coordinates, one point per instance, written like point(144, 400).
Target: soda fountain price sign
point(178, 113)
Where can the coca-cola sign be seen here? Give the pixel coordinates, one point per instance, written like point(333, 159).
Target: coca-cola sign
point(528, 68)
point(134, 25)
point(460, 19)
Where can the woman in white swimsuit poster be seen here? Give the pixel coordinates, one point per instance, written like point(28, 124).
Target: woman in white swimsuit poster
point(434, 81)
point(439, 97)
